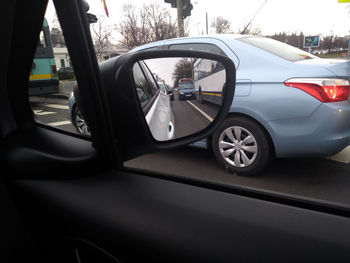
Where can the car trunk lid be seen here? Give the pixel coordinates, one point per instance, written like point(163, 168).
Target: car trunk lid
point(339, 67)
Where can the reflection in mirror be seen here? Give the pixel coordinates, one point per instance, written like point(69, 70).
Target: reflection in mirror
point(179, 96)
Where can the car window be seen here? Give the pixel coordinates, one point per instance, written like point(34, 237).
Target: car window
point(153, 84)
point(277, 119)
point(288, 126)
point(199, 47)
point(143, 91)
point(278, 48)
point(52, 80)
point(205, 68)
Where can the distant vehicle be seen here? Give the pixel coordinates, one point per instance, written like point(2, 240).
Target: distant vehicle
point(65, 73)
point(287, 102)
point(186, 89)
point(43, 77)
point(154, 101)
point(209, 78)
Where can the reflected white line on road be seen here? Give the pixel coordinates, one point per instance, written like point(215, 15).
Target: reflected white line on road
point(201, 111)
point(56, 106)
point(40, 112)
point(59, 123)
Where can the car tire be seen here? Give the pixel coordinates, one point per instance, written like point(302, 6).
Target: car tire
point(79, 123)
point(242, 146)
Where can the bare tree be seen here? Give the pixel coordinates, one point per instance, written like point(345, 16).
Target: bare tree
point(101, 36)
point(329, 42)
point(141, 26)
point(221, 25)
point(183, 69)
point(160, 22)
point(57, 37)
point(133, 27)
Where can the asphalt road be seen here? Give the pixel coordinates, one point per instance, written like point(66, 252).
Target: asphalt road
point(317, 178)
point(53, 111)
point(188, 117)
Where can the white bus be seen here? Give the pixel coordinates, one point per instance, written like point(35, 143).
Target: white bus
point(209, 78)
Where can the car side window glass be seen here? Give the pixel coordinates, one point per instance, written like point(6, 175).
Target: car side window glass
point(206, 68)
point(143, 91)
point(198, 47)
point(279, 109)
point(52, 80)
point(153, 85)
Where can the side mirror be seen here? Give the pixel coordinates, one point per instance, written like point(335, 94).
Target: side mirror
point(145, 119)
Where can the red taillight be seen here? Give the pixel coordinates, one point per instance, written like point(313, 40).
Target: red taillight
point(325, 90)
point(54, 69)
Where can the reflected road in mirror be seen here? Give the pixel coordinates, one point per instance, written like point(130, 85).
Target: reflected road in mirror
point(179, 96)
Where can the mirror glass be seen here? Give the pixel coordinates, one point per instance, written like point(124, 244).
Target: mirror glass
point(179, 96)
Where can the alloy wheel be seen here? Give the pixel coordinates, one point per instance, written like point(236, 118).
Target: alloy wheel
point(81, 124)
point(238, 146)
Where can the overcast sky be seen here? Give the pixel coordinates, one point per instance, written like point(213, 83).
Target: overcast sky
point(313, 17)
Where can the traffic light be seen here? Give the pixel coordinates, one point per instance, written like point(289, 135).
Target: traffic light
point(186, 8)
point(172, 2)
point(90, 17)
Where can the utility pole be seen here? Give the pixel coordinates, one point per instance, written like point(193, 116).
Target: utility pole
point(180, 20)
point(206, 22)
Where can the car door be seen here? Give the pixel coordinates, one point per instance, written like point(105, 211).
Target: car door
point(160, 117)
point(79, 204)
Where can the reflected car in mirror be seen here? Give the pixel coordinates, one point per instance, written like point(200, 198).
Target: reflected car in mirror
point(182, 116)
point(155, 102)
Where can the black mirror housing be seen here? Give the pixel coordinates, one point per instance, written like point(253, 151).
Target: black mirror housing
point(130, 129)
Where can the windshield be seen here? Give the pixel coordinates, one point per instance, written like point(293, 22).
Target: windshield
point(186, 86)
point(278, 48)
point(288, 126)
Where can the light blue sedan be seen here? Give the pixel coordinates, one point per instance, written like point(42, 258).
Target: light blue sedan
point(287, 103)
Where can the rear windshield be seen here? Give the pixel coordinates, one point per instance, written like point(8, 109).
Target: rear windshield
point(278, 48)
point(186, 86)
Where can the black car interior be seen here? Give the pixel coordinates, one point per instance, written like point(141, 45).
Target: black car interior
point(65, 198)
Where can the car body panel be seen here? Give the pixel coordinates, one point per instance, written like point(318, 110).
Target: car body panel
point(160, 118)
point(293, 119)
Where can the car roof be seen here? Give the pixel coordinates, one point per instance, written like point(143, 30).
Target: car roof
point(213, 36)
